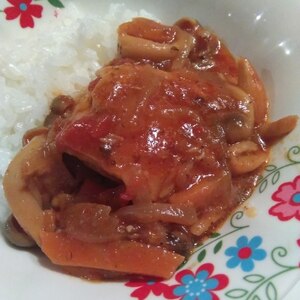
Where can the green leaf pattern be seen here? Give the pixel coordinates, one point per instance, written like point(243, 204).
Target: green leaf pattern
point(201, 255)
point(263, 185)
point(275, 177)
point(236, 293)
point(270, 168)
point(214, 235)
point(56, 3)
point(254, 278)
point(218, 247)
point(271, 291)
point(263, 287)
point(273, 172)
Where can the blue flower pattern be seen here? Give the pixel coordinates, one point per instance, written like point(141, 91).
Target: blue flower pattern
point(245, 253)
point(196, 288)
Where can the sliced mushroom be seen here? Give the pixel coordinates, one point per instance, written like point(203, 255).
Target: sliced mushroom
point(60, 106)
point(237, 119)
point(30, 134)
point(15, 234)
point(139, 46)
point(245, 157)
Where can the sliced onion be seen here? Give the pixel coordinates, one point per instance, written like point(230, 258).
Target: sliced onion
point(208, 220)
point(279, 128)
point(90, 222)
point(250, 82)
point(165, 212)
point(25, 207)
point(206, 192)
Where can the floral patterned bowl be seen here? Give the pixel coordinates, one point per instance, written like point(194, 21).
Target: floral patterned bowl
point(256, 254)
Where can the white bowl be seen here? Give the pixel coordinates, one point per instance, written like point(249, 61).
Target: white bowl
point(266, 32)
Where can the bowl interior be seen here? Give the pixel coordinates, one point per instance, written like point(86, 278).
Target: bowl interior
point(266, 32)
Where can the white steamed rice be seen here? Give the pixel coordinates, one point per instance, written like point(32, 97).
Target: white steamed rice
point(60, 57)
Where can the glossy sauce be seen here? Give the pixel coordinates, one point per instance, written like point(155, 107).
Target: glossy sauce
point(162, 145)
point(158, 132)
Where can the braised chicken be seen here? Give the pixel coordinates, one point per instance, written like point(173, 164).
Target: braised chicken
point(132, 173)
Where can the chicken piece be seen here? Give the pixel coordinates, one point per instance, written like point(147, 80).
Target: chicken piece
point(147, 128)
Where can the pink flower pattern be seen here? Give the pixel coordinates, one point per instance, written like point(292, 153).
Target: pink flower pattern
point(199, 285)
point(288, 198)
point(24, 10)
point(145, 287)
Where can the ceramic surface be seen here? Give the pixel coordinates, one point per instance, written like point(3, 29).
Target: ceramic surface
point(256, 254)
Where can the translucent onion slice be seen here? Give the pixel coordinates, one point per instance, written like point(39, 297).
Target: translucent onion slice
point(25, 207)
point(279, 128)
point(250, 82)
point(205, 192)
point(165, 212)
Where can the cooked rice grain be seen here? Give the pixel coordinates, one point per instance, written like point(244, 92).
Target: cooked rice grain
point(60, 57)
